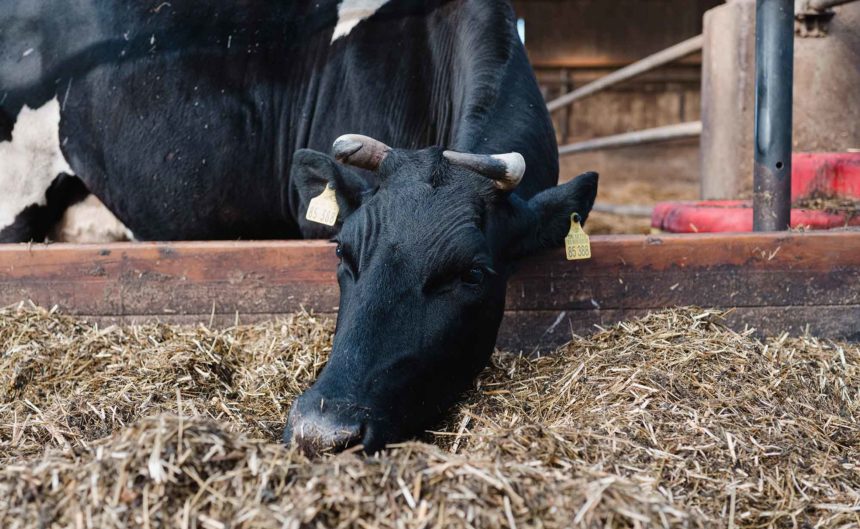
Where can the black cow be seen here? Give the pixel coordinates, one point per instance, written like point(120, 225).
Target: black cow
point(204, 120)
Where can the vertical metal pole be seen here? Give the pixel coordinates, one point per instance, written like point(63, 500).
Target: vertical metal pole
point(774, 48)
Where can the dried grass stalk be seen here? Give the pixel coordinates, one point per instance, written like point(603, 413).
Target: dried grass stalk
point(671, 420)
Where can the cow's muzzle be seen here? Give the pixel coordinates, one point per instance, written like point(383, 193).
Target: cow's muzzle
point(316, 428)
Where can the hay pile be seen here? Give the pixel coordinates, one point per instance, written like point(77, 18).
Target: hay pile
point(847, 206)
point(671, 420)
point(619, 190)
point(602, 223)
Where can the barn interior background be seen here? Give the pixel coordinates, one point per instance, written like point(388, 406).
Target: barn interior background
point(595, 39)
point(712, 84)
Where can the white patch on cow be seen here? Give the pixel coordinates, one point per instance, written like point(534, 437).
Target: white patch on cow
point(351, 12)
point(90, 222)
point(31, 161)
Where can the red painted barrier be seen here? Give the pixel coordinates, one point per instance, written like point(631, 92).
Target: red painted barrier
point(735, 216)
point(813, 175)
point(825, 174)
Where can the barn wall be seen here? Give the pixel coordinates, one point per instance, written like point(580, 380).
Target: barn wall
point(572, 42)
point(606, 33)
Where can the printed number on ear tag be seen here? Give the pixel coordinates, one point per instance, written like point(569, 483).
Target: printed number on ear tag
point(576, 244)
point(324, 209)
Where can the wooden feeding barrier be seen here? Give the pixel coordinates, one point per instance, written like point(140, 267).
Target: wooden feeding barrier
point(774, 282)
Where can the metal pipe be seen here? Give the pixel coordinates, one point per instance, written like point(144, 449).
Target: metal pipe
point(773, 114)
point(821, 5)
point(672, 132)
point(678, 51)
point(629, 210)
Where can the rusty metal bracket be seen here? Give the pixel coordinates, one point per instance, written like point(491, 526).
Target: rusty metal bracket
point(812, 17)
point(812, 23)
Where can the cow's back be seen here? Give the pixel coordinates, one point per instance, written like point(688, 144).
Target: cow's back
point(183, 118)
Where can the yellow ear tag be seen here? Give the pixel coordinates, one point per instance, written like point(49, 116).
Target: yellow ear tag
point(324, 209)
point(576, 244)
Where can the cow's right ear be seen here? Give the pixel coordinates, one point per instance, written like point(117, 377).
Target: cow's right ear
point(546, 218)
point(311, 172)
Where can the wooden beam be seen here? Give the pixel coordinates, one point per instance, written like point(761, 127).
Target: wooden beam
point(778, 282)
point(822, 5)
point(649, 63)
point(681, 131)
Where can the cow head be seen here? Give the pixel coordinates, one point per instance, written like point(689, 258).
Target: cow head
point(425, 253)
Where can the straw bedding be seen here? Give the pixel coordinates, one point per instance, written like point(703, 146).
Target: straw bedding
point(849, 207)
point(670, 420)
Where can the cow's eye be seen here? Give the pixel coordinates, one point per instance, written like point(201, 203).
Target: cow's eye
point(474, 276)
point(346, 262)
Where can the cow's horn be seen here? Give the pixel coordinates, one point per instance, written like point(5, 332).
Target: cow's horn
point(360, 151)
point(506, 170)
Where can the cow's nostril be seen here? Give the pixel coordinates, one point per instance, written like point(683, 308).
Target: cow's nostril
point(316, 434)
point(314, 441)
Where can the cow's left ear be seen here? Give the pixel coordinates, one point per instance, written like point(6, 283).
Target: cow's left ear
point(548, 214)
point(311, 172)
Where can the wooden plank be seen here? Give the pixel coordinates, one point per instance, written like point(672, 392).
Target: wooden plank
point(181, 278)
point(722, 270)
point(791, 280)
point(664, 134)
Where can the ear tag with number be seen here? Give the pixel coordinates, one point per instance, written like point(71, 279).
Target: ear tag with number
point(576, 244)
point(324, 209)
